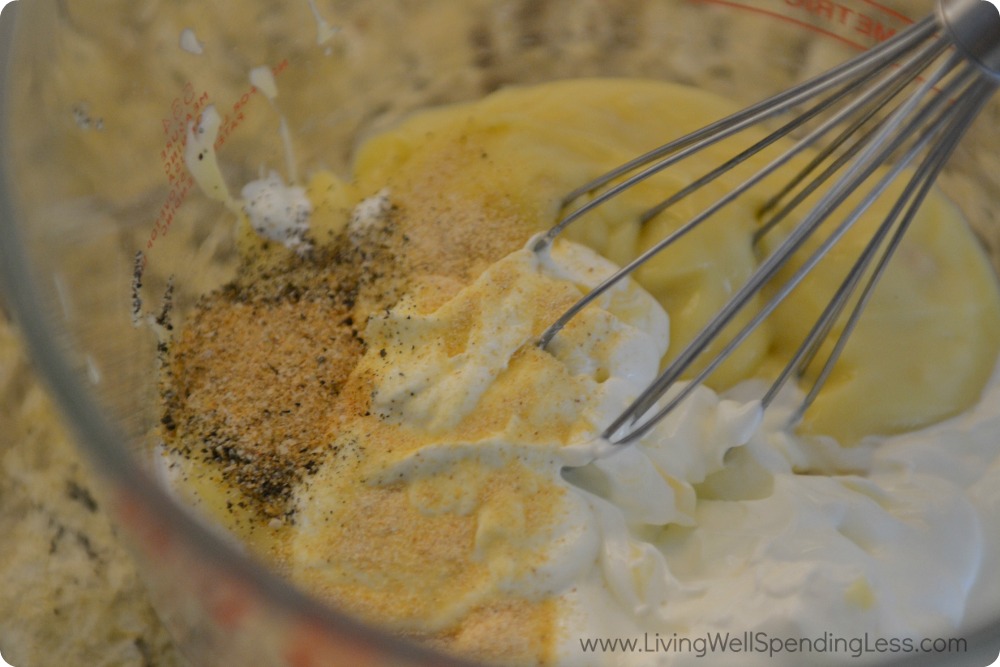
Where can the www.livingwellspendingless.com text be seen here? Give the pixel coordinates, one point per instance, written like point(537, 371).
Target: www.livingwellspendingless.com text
point(763, 643)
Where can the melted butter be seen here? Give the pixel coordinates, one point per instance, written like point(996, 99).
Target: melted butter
point(202, 161)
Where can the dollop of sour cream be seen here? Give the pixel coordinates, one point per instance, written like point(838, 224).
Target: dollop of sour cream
point(277, 211)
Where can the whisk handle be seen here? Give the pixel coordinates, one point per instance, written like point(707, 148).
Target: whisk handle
point(974, 26)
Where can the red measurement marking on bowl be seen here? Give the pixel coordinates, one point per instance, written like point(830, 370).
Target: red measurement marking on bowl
point(314, 643)
point(842, 22)
point(185, 109)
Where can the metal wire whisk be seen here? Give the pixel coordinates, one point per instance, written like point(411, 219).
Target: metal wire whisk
point(920, 133)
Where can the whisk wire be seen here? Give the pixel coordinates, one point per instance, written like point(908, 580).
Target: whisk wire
point(737, 122)
point(915, 193)
point(881, 148)
point(893, 83)
point(904, 75)
point(873, 143)
point(803, 357)
point(893, 88)
point(785, 130)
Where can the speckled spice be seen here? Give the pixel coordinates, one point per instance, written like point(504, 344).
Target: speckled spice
point(69, 592)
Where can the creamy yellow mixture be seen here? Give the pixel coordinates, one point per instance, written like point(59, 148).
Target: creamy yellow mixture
point(373, 417)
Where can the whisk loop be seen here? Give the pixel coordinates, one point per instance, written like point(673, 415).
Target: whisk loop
point(918, 135)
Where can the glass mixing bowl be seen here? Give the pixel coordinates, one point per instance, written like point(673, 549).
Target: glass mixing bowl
point(94, 102)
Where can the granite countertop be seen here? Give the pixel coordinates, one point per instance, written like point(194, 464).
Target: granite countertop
point(69, 592)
